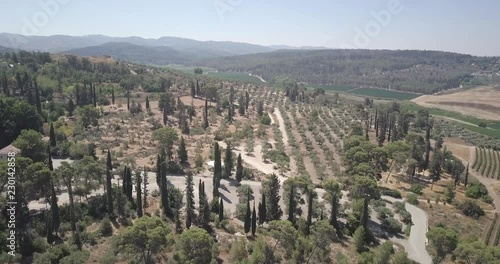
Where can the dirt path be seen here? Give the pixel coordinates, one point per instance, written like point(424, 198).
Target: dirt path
point(415, 246)
point(288, 149)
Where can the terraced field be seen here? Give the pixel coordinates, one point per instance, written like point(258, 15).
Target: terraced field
point(487, 163)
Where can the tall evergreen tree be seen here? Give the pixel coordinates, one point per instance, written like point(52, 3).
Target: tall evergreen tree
point(182, 152)
point(145, 191)
point(262, 210)
point(334, 211)
point(37, 98)
point(466, 180)
point(165, 116)
point(247, 100)
point(205, 116)
point(113, 96)
point(271, 187)
point(193, 89)
point(228, 160)
point(239, 169)
point(230, 114)
point(159, 160)
point(5, 84)
point(247, 216)
point(164, 190)
point(138, 181)
point(109, 164)
point(364, 214)
point(189, 200)
point(109, 193)
point(221, 210)
point(147, 103)
point(241, 105)
point(204, 207)
point(231, 95)
point(291, 205)
point(54, 208)
point(71, 107)
point(254, 220)
point(260, 108)
point(217, 170)
point(310, 196)
point(52, 136)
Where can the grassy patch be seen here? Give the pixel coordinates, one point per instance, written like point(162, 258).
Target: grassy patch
point(381, 93)
point(455, 115)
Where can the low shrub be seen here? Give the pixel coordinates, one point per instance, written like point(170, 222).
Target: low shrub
point(412, 198)
point(106, 228)
point(476, 190)
point(417, 188)
point(392, 225)
point(470, 208)
point(391, 193)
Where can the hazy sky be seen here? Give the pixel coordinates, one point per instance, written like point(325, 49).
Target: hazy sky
point(453, 25)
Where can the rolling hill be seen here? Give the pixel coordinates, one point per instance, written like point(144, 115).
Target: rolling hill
point(404, 70)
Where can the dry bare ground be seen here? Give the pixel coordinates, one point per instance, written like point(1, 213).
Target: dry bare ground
point(481, 102)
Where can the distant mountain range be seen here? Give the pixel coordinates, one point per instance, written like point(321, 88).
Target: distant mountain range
point(163, 50)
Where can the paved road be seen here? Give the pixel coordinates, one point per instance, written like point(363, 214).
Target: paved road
point(415, 245)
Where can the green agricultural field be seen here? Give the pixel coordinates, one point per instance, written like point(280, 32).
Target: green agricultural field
point(230, 76)
point(234, 76)
point(332, 88)
point(381, 93)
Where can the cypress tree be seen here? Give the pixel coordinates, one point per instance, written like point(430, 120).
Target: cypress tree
point(364, 214)
point(466, 180)
point(177, 221)
point(71, 107)
point(310, 197)
point(124, 180)
point(254, 220)
point(291, 205)
point(189, 199)
point(147, 102)
point(54, 208)
point(109, 163)
point(128, 98)
point(221, 210)
point(217, 170)
point(239, 169)
point(109, 193)
point(113, 96)
point(262, 210)
point(5, 84)
point(164, 191)
point(334, 211)
point(205, 116)
point(271, 188)
point(52, 136)
point(95, 96)
point(247, 100)
point(204, 207)
point(228, 160)
point(198, 90)
point(182, 152)
point(248, 216)
point(165, 116)
point(230, 114)
point(145, 191)
point(37, 98)
point(138, 181)
point(193, 90)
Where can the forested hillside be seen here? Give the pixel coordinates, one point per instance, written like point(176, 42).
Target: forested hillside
point(413, 71)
